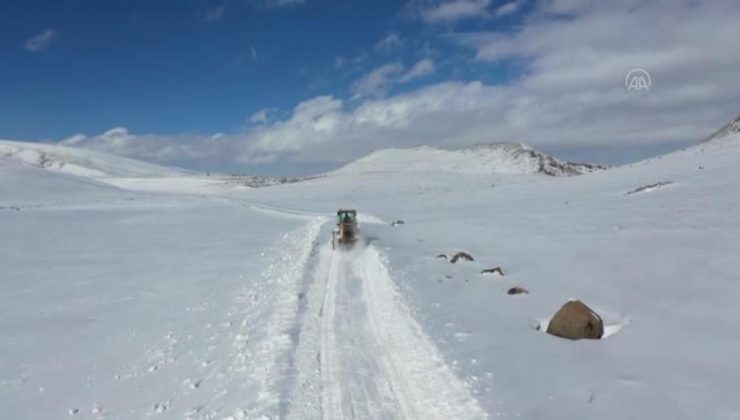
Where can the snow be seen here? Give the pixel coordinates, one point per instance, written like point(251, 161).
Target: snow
point(142, 309)
point(85, 163)
point(375, 362)
point(23, 186)
point(493, 158)
point(139, 294)
point(175, 184)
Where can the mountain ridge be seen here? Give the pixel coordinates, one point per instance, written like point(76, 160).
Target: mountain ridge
point(485, 158)
point(730, 129)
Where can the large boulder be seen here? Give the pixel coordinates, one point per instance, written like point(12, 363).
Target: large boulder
point(575, 320)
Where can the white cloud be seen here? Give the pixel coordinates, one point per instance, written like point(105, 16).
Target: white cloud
point(196, 149)
point(41, 41)
point(377, 81)
point(423, 67)
point(571, 93)
point(355, 61)
point(455, 10)
point(262, 116)
point(389, 43)
point(681, 46)
point(566, 6)
point(508, 8)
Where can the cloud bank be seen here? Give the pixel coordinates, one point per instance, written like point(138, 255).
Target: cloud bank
point(571, 93)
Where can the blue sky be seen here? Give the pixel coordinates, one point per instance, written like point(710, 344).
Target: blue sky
point(249, 83)
point(176, 66)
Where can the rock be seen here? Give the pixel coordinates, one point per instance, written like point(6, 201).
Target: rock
point(442, 256)
point(398, 222)
point(516, 290)
point(651, 187)
point(494, 270)
point(574, 321)
point(461, 255)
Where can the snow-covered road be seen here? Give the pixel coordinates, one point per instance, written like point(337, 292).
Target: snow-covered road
point(363, 354)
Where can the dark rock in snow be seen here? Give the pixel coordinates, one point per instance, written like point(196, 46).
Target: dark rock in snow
point(494, 270)
point(648, 188)
point(398, 222)
point(461, 255)
point(442, 256)
point(516, 290)
point(575, 321)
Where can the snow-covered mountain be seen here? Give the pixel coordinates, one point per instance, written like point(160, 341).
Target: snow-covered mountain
point(81, 162)
point(728, 131)
point(491, 158)
point(232, 304)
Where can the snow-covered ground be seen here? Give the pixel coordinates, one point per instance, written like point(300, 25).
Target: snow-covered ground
point(86, 163)
point(133, 295)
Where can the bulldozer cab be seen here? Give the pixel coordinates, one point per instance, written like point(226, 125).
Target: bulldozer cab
point(347, 216)
point(346, 232)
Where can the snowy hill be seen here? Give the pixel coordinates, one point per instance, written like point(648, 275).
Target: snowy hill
point(81, 162)
point(169, 304)
point(728, 131)
point(493, 158)
point(719, 148)
point(23, 185)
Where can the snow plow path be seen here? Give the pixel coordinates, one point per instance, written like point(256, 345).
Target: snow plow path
point(361, 354)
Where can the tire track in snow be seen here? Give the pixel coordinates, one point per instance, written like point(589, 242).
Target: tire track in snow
point(331, 396)
point(361, 355)
point(261, 346)
point(425, 386)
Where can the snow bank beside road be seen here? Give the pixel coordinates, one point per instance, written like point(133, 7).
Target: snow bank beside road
point(136, 311)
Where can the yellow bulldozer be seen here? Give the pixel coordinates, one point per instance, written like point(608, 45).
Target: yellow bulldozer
point(345, 235)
